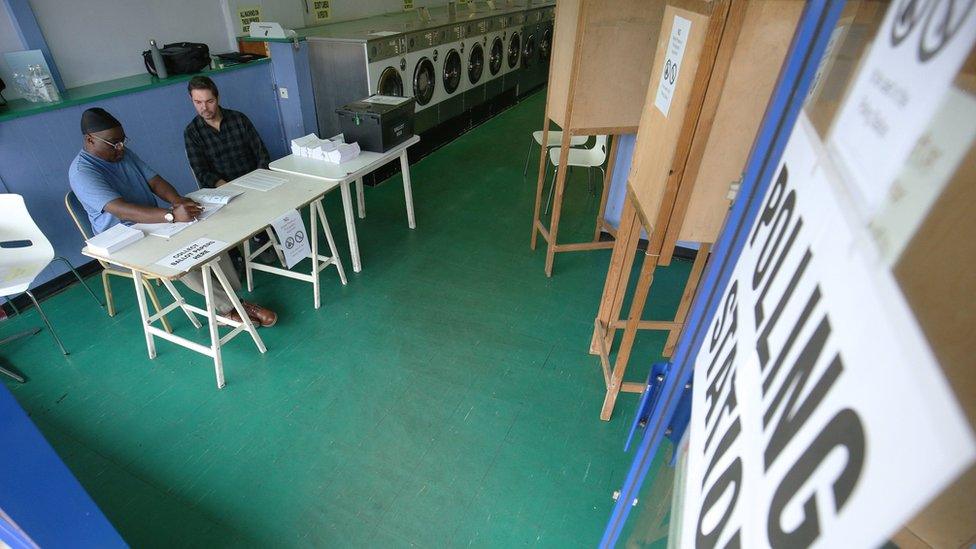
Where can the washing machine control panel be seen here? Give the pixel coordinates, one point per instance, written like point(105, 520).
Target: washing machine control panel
point(386, 48)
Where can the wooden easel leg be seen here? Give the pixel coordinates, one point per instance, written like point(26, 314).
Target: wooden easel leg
point(694, 277)
point(607, 178)
point(630, 334)
point(543, 152)
point(621, 263)
point(557, 202)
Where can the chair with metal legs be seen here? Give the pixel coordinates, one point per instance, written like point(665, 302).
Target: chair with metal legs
point(593, 157)
point(77, 213)
point(555, 140)
point(24, 253)
point(9, 339)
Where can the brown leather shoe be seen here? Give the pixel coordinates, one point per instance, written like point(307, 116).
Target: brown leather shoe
point(237, 318)
point(266, 317)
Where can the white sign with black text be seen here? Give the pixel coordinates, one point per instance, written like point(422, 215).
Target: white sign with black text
point(819, 416)
point(293, 238)
point(672, 63)
point(192, 254)
point(915, 56)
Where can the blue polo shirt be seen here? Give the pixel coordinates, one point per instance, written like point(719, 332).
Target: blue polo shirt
point(97, 182)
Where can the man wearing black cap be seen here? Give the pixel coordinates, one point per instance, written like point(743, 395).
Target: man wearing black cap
point(115, 185)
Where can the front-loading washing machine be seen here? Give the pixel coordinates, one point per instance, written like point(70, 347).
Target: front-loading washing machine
point(475, 74)
point(387, 67)
point(513, 49)
point(528, 76)
point(495, 49)
point(424, 63)
point(453, 80)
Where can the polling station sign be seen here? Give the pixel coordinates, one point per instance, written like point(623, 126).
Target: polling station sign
point(820, 416)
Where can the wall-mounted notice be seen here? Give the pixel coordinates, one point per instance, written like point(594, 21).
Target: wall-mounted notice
point(247, 15)
point(321, 9)
point(407, 5)
point(192, 254)
point(819, 416)
point(918, 51)
point(293, 238)
point(672, 64)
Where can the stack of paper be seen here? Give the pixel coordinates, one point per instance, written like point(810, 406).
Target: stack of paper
point(259, 181)
point(343, 153)
point(113, 239)
point(220, 195)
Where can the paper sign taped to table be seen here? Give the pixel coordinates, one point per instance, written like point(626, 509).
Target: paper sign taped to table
point(293, 238)
point(191, 255)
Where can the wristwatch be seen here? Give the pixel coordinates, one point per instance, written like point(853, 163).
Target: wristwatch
point(169, 217)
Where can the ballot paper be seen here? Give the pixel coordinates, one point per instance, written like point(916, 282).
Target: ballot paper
point(191, 255)
point(293, 237)
point(343, 153)
point(220, 195)
point(113, 239)
point(168, 230)
point(259, 181)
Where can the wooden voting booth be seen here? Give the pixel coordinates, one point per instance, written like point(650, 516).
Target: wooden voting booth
point(601, 64)
point(687, 163)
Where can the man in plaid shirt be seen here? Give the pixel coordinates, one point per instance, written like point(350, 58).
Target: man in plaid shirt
point(222, 145)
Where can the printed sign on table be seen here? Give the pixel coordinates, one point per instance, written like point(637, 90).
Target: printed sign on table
point(915, 56)
point(293, 238)
point(192, 254)
point(819, 416)
point(672, 64)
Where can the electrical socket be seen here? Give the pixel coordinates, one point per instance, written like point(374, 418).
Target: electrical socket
point(283, 93)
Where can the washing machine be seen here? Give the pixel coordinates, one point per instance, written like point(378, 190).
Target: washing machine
point(424, 63)
point(387, 67)
point(513, 49)
point(475, 73)
point(453, 78)
point(531, 31)
point(495, 65)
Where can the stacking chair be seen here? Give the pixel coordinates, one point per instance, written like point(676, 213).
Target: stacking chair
point(78, 215)
point(593, 157)
point(24, 253)
point(555, 139)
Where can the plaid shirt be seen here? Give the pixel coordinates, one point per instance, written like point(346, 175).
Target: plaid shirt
point(228, 154)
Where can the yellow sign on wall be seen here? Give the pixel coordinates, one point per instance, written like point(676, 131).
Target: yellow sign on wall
point(321, 9)
point(407, 5)
point(248, 15)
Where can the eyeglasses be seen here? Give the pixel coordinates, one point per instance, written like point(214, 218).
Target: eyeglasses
point(117, 146)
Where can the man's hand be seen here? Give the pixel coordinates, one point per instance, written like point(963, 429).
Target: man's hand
point(186, 211)
point(184, 200)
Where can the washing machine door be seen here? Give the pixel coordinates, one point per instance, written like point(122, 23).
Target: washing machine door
point(514, 49)
point(390, 82)
point(423, 81)
point(528, 50)
point(476, 63)
point(497, 56)
point(545, 45)
point(452, 71)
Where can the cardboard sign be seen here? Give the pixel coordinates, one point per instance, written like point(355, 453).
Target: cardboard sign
point(672, 64)
point(321, 10)
point(191, 255)
point(293, 238)
point(820, 417)
point(247, 15)
point(917, 53)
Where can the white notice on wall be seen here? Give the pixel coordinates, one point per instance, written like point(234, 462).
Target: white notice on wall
point(917, 53)
point(672, 64)
point(819, 415)
point(293, 238)
point(187, 257)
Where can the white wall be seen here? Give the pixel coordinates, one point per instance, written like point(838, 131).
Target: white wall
point(97, 40)
point(292, 13)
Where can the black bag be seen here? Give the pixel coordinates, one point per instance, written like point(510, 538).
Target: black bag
point(180, 58)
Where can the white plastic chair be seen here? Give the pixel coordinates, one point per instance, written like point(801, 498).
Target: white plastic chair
point(24, 253)
point(555, 140)
point(593, 157)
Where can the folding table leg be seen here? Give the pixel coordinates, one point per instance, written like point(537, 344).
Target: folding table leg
point(179, 299)
point(313, 216)
point(144, 313)
point(407, 189)
point(332, 246)
point(350, 226)
point(248, 272)
point(360, 198)
point(212, 322)
point(248, 325)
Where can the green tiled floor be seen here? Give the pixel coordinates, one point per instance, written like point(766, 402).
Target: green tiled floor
point(444, 397)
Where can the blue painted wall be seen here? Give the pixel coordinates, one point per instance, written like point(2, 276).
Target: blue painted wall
point(291, 71)
point(35, 151)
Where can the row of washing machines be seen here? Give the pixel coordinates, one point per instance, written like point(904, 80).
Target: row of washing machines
point(450, 64)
